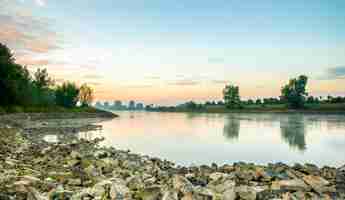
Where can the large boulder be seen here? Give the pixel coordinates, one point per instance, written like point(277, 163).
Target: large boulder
point(318, 184)
point(290, 185)
point(182, 184)
point(245, 193)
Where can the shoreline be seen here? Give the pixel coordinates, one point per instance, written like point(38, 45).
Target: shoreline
point(308, 112)
point(80, 169)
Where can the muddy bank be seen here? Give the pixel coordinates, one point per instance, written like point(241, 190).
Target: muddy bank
point(20, 119)
point(73, 168)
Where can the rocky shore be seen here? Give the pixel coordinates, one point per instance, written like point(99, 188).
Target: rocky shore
point(78, 169)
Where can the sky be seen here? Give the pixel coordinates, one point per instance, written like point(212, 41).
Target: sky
point(169, 51)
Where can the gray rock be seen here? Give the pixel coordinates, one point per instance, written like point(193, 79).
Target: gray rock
point(203, 193)
point(151, 193)
point(75, 155)
point(217, 175)
point(290, 185)
point(170, 195)
point(100, 154)
point(317, 183)
point(229, 194)
point(75, 182)
point(60, 194)
point(221, 187)
point(245, 193)
point(181, 184)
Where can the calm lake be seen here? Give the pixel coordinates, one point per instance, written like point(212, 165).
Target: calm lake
point(189, 139)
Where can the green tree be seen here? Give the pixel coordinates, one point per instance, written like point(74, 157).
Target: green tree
point(42, 92)
point(231, 96)
point(85, 95)
point(14, 79)
point(67, 95)
point(42, 79)
point(294, 93)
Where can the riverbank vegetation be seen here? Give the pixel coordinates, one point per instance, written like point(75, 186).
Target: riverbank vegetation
point(294, 98)
point(22, 91)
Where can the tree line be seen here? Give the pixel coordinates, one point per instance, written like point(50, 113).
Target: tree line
point(18, 87)
point(293, 95)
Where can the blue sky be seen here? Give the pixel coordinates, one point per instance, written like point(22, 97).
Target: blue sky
point(167, 52)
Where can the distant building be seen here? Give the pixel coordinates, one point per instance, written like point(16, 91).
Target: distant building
point(98, 104)
point(140, 106)
point(131, 105)
point(106, 105)
point(118, 105)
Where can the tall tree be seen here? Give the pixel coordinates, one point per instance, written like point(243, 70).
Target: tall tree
point(14, 79)
point(85, 95)
point(231, 94)
point(294, 93)
point(67, 95)
point(42, 79)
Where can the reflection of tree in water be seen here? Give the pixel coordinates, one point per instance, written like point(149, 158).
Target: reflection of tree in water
point(231, 127)
point(293, 131)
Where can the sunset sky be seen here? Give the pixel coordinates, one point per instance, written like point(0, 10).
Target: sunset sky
point(166, 52)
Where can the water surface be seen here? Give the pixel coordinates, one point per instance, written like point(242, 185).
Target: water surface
point(188, 138)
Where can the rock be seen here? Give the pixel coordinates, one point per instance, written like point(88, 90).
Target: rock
point(181, 184)
point(130, 164)
point(245, 193)
point(151, 193)
point(75, 155)
point(92, 171)
point(135, 183)
point(226, 168)
point(312, 169)
point(46, 150)
point(73, 163)
point(150, 181)
point(111, 162)
point(229, 194)
point(119, 190)
point(112, 188)
point(317, 183)
point(260, 173)
point(222, 186)
point(340, 179)
point(203, 193)
point(290, 185)
point(100, 154)
point(75, 182)
point(328, 173)
point(60, 194)
point(170, 195)
point(217, 175)
point(31, 180)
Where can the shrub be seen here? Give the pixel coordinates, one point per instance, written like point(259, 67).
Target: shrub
point(2, 111)
point(15, 109)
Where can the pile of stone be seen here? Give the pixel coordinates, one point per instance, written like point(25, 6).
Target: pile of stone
point(81, 170)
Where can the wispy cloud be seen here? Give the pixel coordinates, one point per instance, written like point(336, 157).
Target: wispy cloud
point(28, 61)
point(139, 86)
point(94, 83)
point(40, 2)
point(216, 60)
point(153, 77)
point(92, 76)
point(26, 34)
point(332, 73)
point(220, 81)
point(185, 82)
